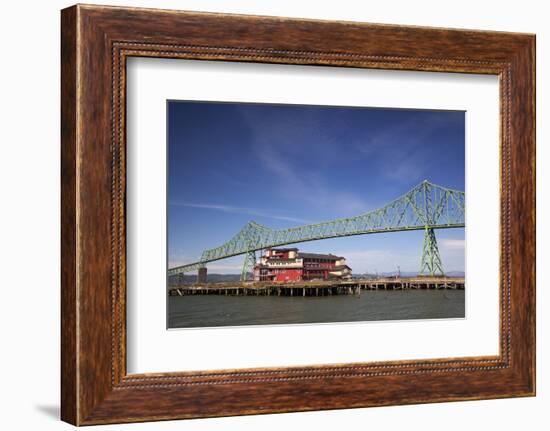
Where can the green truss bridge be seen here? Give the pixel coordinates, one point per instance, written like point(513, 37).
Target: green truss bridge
point(426, 207)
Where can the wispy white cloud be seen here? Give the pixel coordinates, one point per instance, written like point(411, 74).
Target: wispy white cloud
point(242, 210)
point(227, 266)
point(212, 266)
point(407, 161)
point(296, 177)
point(306, 184)
point(179, 257)
point(227, 269)
point(378, 260)
point(449, 244)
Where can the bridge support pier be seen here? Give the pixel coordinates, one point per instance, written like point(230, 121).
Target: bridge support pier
point(202, 275)
point(248, 265)
point(431, 260)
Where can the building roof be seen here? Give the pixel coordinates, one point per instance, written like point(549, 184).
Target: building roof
point(319, 256)
point(284, 249)
point(339, 268)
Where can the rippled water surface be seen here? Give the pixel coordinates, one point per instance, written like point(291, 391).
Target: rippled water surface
point(214, 310)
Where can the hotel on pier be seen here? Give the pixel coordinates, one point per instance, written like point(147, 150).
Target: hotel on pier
point(289, 264)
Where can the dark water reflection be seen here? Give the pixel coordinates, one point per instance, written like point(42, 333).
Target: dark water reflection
point(214, 310)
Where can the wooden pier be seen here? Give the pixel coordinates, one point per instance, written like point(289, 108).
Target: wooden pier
point(317, 288)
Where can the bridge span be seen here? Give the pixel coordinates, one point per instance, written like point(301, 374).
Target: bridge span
point(426, 207)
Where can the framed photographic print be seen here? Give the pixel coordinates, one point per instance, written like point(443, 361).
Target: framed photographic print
point(266, 215)
point(291, 166)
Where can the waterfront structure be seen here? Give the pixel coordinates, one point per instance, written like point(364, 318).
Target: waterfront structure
point(289, 264)
point(353, 286)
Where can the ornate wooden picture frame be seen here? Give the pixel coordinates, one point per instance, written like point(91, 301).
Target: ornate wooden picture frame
point(96, 41)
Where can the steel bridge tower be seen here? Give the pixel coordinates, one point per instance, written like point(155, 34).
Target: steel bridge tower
point(248, 265)
point(431, 261)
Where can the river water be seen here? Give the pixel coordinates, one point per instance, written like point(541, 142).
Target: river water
point(213, 310)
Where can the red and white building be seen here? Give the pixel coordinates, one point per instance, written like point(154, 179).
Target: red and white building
point(289, 264)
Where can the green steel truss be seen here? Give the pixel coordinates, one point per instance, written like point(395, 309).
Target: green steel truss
point(426, 207)
point(431, 261)
point(248, 265)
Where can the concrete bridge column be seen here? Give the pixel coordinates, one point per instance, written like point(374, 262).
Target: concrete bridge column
point(202, 275)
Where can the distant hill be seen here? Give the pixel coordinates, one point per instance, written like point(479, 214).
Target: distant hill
point(404, 274)
point(455, 273)
point(211, 278)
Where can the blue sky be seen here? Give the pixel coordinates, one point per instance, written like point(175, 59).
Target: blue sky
point(289, 165)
